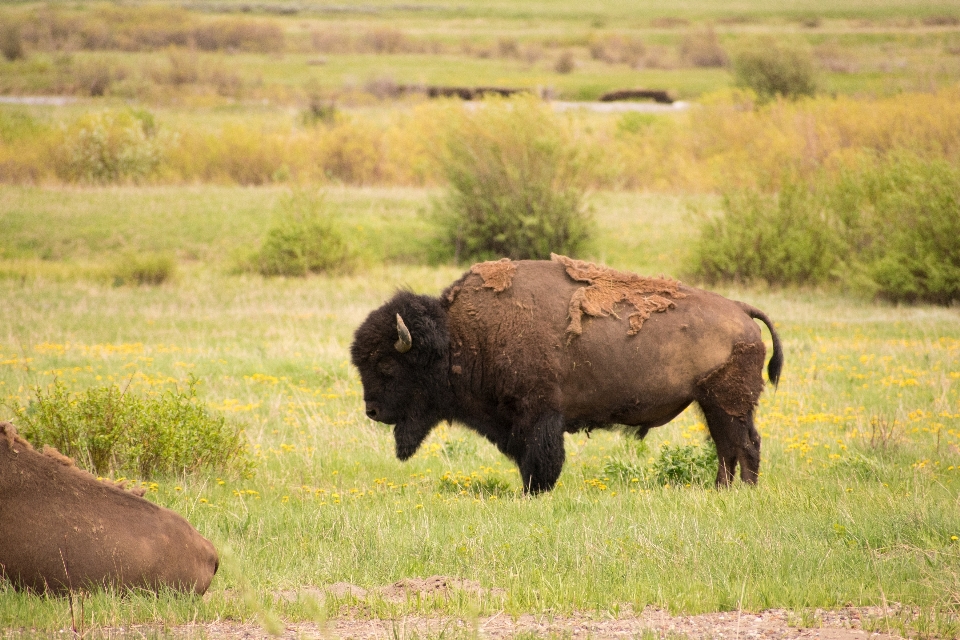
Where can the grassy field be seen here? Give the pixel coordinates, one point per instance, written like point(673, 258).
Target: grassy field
point(857, 502)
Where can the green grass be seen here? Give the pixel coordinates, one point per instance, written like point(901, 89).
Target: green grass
point(861, 442)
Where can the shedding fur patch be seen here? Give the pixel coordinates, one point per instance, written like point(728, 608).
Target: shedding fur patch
point(736, 385)
point(497, 274)
point(609, 287)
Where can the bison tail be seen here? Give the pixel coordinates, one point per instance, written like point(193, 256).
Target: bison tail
point(776, 360)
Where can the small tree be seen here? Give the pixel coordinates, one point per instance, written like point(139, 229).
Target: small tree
point(516, 183)
point(773, 68)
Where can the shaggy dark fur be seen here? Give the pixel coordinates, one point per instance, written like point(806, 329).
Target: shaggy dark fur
point(494, 352)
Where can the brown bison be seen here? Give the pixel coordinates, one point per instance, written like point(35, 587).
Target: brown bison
point(62, 529)
point(525, 351)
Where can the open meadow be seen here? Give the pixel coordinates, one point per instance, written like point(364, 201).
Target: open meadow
point(150, 153)
point(857, 501)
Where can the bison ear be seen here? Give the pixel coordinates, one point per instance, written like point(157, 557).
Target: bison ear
point(405, 341)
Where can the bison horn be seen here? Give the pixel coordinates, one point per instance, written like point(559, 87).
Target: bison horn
point(405, 342)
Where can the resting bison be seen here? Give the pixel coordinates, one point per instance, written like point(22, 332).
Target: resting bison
point(62, 529)
point(524, 351)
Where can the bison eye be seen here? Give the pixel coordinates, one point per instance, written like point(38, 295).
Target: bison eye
point(387, 367)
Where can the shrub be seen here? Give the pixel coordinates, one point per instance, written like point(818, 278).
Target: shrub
point(702, 49)
point(782, 239)
point(11, 43)
point(109, 430)
point(233, 34)
point(107, 147)
point(902, 217)
point(516, 183)
point(305, 239)
point(144, 269)
point(887, 226)
point(685, 465)
point(773, 68)
point(565, 63)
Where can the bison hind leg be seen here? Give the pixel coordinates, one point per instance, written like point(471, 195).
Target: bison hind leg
point(728, 397)
point(737, 442)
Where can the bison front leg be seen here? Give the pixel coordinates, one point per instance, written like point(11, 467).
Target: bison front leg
point(538, 449)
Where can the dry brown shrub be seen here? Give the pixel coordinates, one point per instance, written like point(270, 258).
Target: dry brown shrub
point(385, 40)
point(565, 63)
point(669, 22)
point(508, 48)
point(613, 48)
point(703, 49)
point(234, 34)
point(331, 41)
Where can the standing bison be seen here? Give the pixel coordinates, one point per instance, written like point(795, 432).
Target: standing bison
point(62, 529)
point(525, 351)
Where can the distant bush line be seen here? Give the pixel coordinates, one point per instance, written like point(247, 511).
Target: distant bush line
point(730, 140)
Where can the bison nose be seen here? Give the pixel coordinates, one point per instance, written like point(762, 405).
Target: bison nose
point(372, 410)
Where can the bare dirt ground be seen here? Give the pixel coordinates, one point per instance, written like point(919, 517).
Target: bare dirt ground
point(775, 624)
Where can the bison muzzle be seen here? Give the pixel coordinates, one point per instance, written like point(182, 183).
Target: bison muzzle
point(525, 351)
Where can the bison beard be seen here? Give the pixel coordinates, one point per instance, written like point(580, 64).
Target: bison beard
point(496, 353)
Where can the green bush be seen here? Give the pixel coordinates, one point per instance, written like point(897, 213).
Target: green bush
point(108, 147)
point(780, 239)
point(516, 184)
point(109, 430)
point(306, 239)
point(774, 68)
point(683, 465)
point(902, 217)
point(144, 269)
point(889, 227)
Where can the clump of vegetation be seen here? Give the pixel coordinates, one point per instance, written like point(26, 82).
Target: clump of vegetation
point(683, 465)
point(516, 184)
point(306, 238)
point(780, 239)
point(11, 43)
point(902, 221)
point(113, 430)
point(890, 227)
point(565, 63)
point(144, 269)
point(703, 49)
point(109, 147)
point(772, 68)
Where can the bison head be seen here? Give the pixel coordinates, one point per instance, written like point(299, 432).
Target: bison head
point(401, 351)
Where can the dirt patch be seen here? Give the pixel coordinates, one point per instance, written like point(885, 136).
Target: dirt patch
point(497, 274)
point(609, 287)
point(776, 624)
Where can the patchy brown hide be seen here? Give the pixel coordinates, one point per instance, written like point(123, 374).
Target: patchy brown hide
point(609, 287)
point(62, 529)
point(497, 275)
